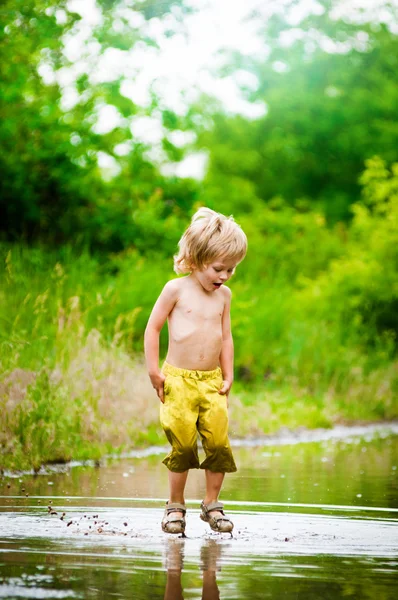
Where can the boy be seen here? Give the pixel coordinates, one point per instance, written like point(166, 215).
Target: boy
point(195, 380)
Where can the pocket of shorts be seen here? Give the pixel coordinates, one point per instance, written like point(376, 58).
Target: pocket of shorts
point(166, 385)
point(217, 382)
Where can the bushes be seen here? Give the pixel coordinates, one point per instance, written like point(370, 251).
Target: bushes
point(304, 293)
point(358, 293)
point(324, 318)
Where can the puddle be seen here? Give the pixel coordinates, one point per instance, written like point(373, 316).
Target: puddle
point(312, 520)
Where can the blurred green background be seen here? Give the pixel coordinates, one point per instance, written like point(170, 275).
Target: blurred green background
point(91, 215)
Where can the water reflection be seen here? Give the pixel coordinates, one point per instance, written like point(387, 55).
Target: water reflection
point(360, 473)
point(210, 553)
point(314, 520)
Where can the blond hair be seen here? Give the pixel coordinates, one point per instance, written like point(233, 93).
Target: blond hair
point(210, 235)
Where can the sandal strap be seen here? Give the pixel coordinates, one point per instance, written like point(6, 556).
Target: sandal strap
point(175, 507)
point(218, 519)
point(171, 518)
point(213, 506)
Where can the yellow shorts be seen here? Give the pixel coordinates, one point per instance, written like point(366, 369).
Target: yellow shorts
point(192, 404)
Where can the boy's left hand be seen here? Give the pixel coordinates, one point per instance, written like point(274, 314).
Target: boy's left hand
point(226, 386)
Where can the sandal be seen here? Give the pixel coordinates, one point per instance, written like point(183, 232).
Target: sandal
point(172, 523)
point(219, 523)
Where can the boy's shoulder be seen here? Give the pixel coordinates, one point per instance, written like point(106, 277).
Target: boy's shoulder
point(227, 292)
point(175, 285)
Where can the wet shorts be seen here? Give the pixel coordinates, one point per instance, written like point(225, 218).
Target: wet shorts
point(192, 404)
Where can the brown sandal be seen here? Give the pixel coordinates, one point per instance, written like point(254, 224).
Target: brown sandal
point(172, 523)
point(219, 523)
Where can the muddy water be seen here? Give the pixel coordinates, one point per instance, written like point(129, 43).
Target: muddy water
point(313, 519)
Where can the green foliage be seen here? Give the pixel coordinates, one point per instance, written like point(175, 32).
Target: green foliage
point(314, 319)
point(361, 287)
point(323, 120)
point(51, 187)
point(46, 425)
point(151, 9)
point(34, 153)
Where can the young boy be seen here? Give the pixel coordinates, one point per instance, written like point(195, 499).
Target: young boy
point(194, 382)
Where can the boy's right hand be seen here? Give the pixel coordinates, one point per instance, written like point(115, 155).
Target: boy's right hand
point(158, 380)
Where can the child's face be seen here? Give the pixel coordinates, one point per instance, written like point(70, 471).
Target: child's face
point(212, 276)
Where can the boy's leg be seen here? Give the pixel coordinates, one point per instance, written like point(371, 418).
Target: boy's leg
point(213, 429)
point(177, 483)
point(174, 515)
point(213, 486)
point(214, 482)
point(178, 416)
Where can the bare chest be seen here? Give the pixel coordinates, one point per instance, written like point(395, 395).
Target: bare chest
point(198, 312)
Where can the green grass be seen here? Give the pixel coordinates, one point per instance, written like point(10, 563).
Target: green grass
point(73, 384)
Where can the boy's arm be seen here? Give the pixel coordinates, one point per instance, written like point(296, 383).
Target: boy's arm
point(227, 348)
point(163, 307)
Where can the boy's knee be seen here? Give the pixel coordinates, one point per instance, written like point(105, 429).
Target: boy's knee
point(217, 445)
point(186, 449)
point(182, 458)
point(219, 459)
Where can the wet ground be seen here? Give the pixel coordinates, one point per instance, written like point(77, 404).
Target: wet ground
point(313, 519)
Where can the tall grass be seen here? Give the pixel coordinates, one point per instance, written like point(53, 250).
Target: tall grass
point(72, 383)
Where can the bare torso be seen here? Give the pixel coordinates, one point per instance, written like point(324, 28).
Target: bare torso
point(195, 327)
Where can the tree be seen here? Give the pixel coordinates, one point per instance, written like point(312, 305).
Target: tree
point(51, 187)
point(331, 100)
